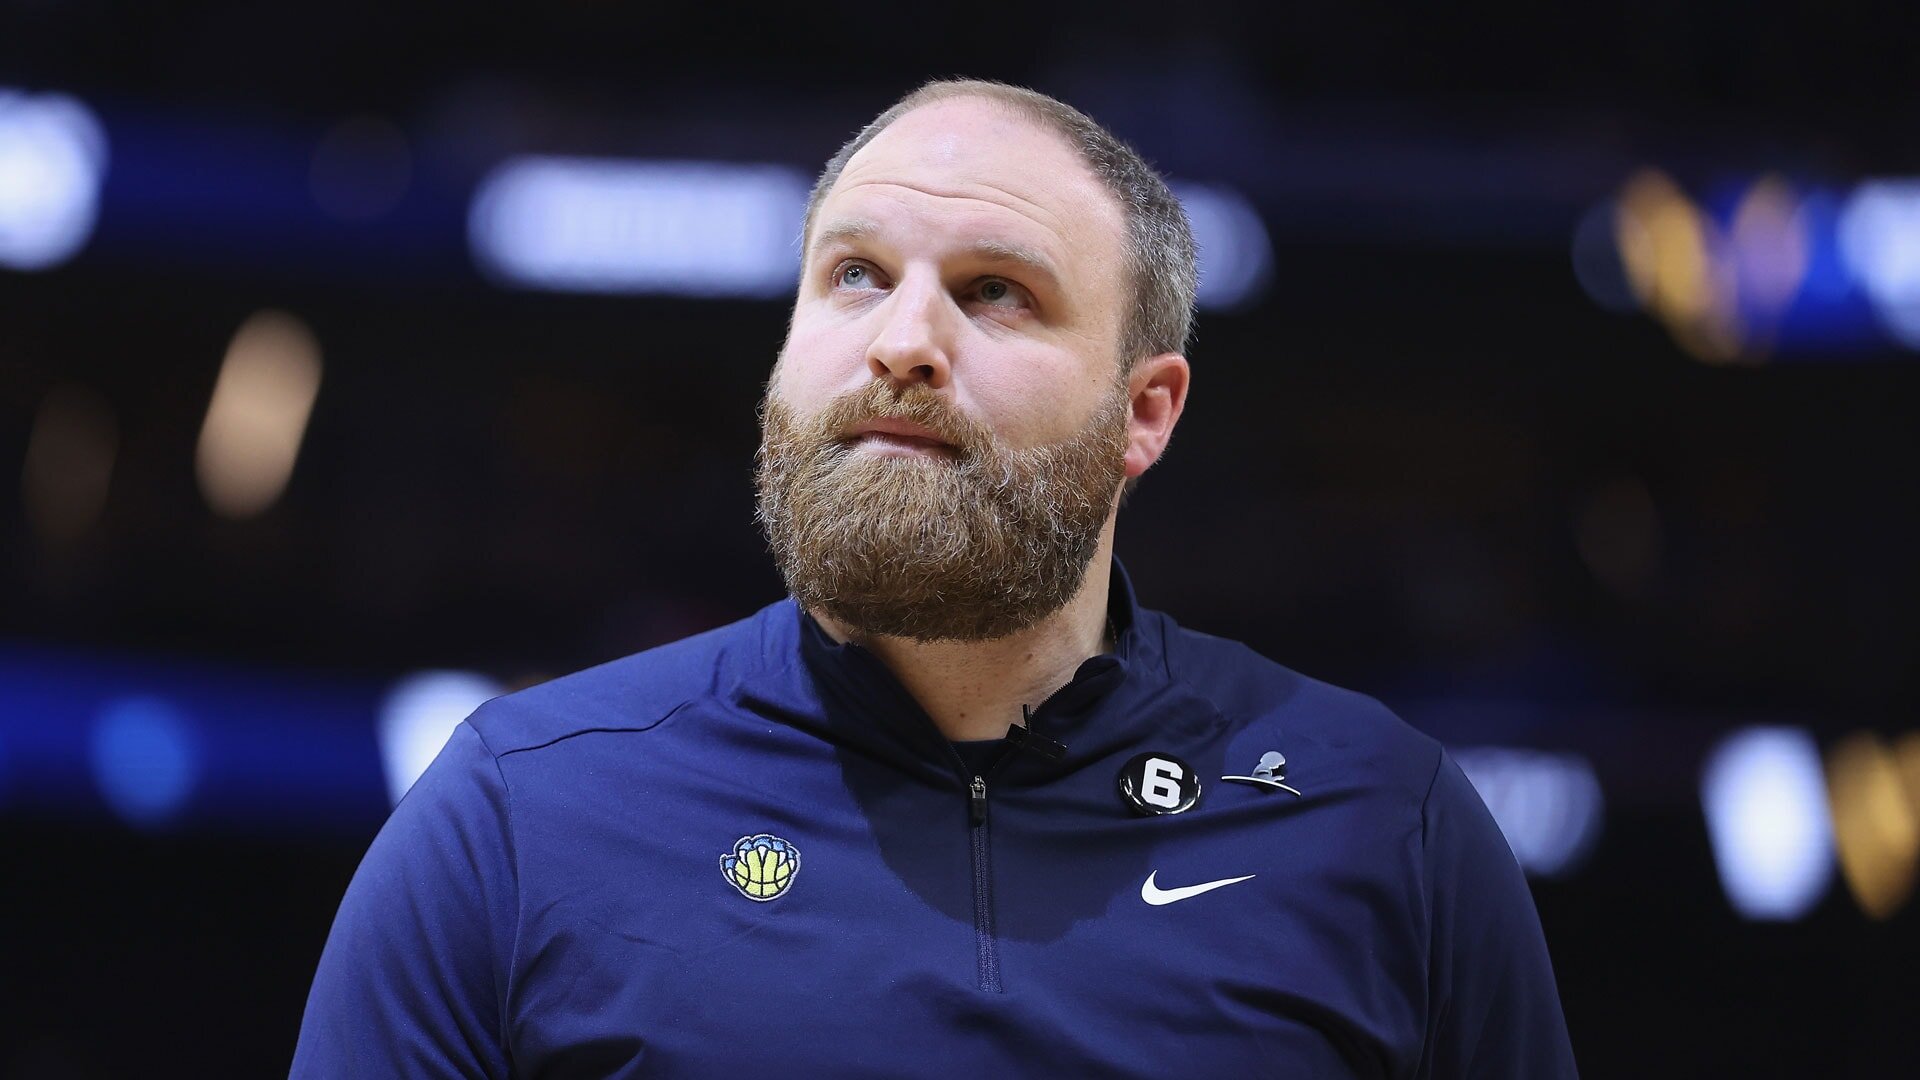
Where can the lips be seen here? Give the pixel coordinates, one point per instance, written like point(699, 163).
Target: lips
point(899, 436)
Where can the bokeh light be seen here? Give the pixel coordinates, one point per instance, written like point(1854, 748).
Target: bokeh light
point(53, 159)
point(69, 463)
point(1766, 811)
point(146, 759)
point(258, 415)
point(417, 717)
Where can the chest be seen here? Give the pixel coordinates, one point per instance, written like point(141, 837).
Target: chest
point(892, 933)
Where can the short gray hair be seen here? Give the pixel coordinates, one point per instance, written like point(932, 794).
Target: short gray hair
point(1161, 258)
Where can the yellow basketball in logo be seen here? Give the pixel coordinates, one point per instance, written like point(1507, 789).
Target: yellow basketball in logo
point(761, 866)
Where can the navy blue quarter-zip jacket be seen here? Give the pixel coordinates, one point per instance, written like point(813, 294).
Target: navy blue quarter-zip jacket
point(751, 853)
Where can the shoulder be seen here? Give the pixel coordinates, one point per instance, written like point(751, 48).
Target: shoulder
point(634, 693)
point(1269, 699)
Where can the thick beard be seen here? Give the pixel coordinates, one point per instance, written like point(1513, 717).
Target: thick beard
point(972, 547)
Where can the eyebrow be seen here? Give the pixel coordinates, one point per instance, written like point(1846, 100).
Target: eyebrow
point(988, 249)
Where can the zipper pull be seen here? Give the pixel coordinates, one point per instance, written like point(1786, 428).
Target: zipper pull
point(978, 790)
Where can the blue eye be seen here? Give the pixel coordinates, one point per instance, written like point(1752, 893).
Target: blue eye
point(854, 275)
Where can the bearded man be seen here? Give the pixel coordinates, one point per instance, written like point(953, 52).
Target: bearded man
point(912, 820)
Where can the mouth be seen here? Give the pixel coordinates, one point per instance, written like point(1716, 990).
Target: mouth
point(899, 438)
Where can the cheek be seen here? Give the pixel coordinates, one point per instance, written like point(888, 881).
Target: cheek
point(1038, 398)
point(815, 366)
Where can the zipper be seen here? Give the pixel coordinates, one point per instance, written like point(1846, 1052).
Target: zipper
point(986, 948)
point(986, 944)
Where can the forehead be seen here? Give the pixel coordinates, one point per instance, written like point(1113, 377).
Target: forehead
point(981, 171)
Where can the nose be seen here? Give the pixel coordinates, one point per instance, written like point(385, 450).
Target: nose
point(915, 340)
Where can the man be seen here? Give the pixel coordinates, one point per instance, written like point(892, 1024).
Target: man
point(960, 806)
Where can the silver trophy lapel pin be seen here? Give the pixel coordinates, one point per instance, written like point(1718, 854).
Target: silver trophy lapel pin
point(1268, 774)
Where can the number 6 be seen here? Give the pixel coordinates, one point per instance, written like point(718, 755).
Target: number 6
point(1162, 783)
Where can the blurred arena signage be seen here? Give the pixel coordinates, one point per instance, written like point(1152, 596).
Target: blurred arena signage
point(1766, 269)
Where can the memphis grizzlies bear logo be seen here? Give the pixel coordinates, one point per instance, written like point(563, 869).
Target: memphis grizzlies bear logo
point(761, 866)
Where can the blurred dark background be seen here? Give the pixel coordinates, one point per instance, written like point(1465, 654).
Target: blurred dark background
point(1556, 384)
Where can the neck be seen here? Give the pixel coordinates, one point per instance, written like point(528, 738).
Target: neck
point(974, 689)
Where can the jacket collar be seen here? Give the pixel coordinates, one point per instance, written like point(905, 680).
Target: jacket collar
point(845, 693)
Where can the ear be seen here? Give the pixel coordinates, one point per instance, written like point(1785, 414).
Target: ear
point(1157, 390)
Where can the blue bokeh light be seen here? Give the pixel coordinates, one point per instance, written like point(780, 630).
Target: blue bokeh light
point(53, 155)
point(145, 759)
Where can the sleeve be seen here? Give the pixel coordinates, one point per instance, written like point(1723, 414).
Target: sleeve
point(1493, 1007)
point(413, 978)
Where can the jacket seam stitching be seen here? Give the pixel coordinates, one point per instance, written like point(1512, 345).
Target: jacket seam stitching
point(664, 717)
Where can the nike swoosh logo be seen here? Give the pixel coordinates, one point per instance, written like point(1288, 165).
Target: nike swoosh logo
point(1155, 895)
